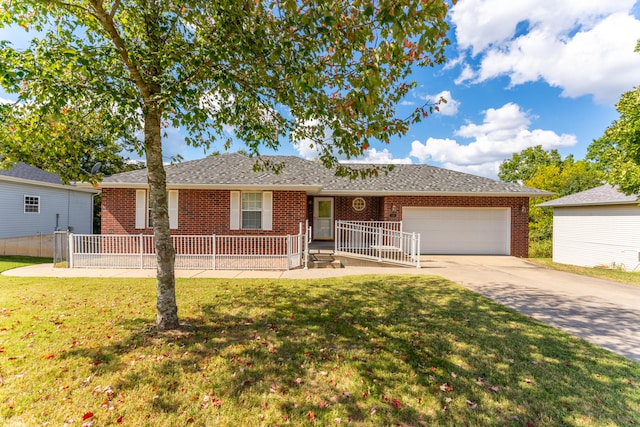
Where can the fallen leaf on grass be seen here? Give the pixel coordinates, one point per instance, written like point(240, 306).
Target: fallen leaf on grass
point(472, 405)
point(311, 416)
point(87, 416)
point(446, 387)
point(494, 388)
point(396, 403)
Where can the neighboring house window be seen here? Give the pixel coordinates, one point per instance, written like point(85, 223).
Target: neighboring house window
point(250, 210)
point(143, 210)
point(31, 204)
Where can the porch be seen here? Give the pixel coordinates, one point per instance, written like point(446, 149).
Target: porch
point(376, 241)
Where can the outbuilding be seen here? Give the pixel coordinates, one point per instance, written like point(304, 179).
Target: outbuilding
point(597, 228)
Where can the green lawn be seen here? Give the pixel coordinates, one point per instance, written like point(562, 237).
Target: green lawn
point(627, 277)
point(363, 351)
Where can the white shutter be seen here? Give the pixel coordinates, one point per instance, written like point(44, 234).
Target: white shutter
point(234, 223)
point(173, 208)
point(141, 208)
point(267, 203)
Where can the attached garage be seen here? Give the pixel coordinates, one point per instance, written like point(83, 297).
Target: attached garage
point(460, 231)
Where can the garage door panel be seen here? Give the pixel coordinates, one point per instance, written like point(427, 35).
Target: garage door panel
point(482, 231)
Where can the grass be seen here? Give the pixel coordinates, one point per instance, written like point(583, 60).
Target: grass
point(627, 277)
point(8, 262)
point(361, 351)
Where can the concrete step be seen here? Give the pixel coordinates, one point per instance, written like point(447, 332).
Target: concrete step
point(324, 260)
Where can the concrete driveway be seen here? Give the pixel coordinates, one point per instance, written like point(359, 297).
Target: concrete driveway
point(602, 312)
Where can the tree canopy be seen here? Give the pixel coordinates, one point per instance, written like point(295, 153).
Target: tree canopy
point(324, 73)
point(524, 165)
point(618, 150)
point(546, 170)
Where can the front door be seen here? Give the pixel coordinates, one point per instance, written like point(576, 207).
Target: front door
point(323, 218)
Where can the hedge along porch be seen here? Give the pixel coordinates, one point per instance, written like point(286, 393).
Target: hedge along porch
point(223, 195)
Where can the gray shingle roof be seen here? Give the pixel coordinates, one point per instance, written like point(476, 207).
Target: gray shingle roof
point(603, 195)
point(235, 169)
point(23, 171)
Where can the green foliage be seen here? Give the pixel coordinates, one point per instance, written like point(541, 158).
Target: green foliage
point(546, 170)
point(326, 73)
point(618, 150)
point(524, 165)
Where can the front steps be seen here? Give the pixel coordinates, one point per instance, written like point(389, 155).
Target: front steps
point(324, 260)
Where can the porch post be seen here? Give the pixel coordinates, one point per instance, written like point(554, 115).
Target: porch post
point(306, 244)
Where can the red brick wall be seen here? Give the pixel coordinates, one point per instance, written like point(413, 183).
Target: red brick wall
point(201, 212)
point(519, 212)
point(343, 209)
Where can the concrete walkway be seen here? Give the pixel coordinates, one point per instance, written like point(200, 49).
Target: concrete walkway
point(602, 312)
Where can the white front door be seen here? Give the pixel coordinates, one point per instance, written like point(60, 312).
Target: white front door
point(323, 218)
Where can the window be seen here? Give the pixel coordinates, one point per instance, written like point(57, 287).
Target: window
point(143, 210)
point(31, 204)
point(359, 204)
point(251, 211)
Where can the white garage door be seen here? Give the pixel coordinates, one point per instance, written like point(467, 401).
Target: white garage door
point(464, 231)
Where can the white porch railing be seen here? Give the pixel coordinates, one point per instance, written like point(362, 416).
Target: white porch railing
point(382, 241)
point(208, 252)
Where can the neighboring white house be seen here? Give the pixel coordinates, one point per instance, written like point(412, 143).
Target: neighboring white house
point(597, 227)
point(35, 203)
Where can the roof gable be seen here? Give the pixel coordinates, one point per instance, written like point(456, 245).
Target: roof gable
point(603, 195)
point(24, 171)
point(229, 170)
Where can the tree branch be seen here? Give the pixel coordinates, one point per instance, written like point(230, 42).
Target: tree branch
point(109, 26)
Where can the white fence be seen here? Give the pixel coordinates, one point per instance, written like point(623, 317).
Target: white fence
point(208, 252)
point(382, 241)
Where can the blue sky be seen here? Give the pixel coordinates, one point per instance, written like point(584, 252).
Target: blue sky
point(519, 73)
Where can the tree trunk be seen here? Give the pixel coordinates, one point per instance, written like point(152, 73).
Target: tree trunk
point(166, 307)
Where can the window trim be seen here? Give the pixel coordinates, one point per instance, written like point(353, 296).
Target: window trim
point(359, 204)
point(37, 205)
point(235, 210)
point(259, 196)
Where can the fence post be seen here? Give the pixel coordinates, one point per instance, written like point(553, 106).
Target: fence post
point(337, 242)
point(416, 250)
point(70, 250)
point(288, 251)
point(140, 243)
point(213, 250)
point(380, 241)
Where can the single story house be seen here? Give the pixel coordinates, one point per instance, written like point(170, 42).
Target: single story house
point(35, 203)
point(456, 213)
point(597, 227)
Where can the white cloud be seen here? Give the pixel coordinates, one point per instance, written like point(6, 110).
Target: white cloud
point(576, 45)
point(504, 131)
point(6, 101)
point(448, 108)
point(379, 157)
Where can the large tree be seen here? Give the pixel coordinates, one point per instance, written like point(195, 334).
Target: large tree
point(618, 150)
point(329, 73)
point(547, 170)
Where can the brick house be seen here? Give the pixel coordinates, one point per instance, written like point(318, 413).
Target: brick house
point(456, 213)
